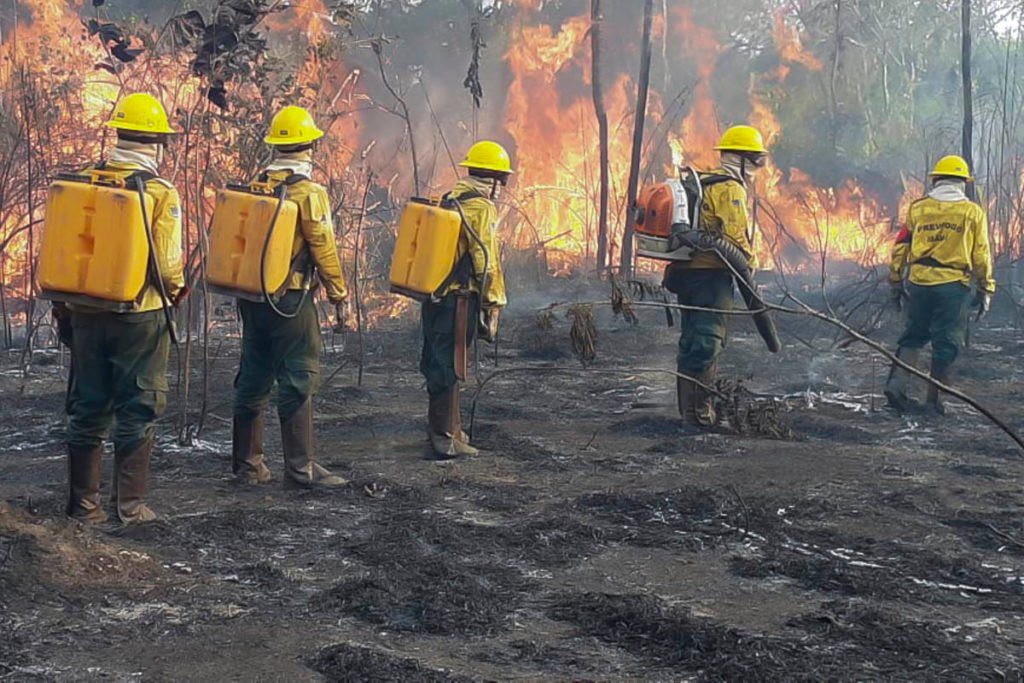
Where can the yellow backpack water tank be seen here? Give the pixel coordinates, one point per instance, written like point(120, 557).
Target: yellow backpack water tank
point(424, 256)
point(94, 249)
point(251, 241)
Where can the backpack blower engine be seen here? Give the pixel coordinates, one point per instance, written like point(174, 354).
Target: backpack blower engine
point(667, 217)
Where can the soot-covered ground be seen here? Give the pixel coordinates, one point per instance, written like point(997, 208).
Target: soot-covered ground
point(593, 539)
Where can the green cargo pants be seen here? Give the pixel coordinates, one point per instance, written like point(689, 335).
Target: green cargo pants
point(703, 334)
point(937, 313)
point(119, 374)
point(276, 349)
point(437, 363)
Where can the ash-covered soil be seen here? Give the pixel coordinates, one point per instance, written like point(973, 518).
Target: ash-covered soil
point(593, 539)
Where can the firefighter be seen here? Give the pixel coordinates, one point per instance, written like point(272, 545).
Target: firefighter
point(472, 299)
point(119, 360)
point(281, 338)
point(944, 246)
point(707, 281)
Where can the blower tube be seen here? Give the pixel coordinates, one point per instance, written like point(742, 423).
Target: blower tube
point(701, 240)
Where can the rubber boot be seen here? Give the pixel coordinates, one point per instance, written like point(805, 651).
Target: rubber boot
point(247, 460)
point(437, 417)
point(446, 427)
point(297, 444)
point(131, 482)
point(899, 381)
point(84, 467)
point(704, 401)
point(934, 404)
point(685, 398)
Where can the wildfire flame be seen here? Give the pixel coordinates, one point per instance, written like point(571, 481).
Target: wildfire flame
point(547, 113)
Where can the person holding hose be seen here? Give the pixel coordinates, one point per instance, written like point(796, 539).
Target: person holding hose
point(119, 359)
point(281, 336)
point(942, 249)
point(472, 298)
point(707, 280)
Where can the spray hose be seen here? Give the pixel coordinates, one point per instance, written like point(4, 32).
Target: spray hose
point(172, 327)
point(480, 243)
point(281, 192)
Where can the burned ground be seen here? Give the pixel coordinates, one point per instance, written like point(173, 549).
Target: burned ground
point(594, 539)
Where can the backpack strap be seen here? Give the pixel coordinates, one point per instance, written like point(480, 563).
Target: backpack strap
point(292, 178)
point(463, 270)
point(715, 179)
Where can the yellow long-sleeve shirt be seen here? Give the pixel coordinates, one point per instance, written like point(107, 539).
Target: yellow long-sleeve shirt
point(482, 216)
point(316, 229)
point(943, 242)
point(724, 212)
point(165, 224)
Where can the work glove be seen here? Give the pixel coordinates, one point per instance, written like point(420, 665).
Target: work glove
point(487, 325)
point(62, 318)
point(983, 302)
point(342, 316)
point(896, 295)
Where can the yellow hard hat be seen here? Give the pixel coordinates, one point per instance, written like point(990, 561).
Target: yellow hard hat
point(742, 139)
point(952, 166)
point(488, 156)
point(292, 126)
point(141, 113)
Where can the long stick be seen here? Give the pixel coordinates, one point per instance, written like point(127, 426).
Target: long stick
point(626, 252)
point(356, 284)
point(967, 140)
point(602, 127)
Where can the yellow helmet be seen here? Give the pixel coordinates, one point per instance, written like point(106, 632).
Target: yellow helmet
point(292, 126)
point(742, 139)
point(952, 166)
point(488, 156)
point(141, 113)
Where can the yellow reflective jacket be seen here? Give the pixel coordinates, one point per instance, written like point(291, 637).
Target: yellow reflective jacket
point(724, 212)
point(165, 224)
point(482, 216)
point(315, 229)
point(943, 242)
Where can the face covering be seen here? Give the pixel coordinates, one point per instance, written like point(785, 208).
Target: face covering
point(300, 163)
point(148, 155)
point(949, 190)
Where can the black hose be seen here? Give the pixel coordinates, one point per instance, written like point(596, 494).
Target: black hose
point(701, 240)
point(282, 190)
point(483, 248)
point(172, 327)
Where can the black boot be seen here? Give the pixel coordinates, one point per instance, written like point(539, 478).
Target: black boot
point(899, 381)
point(84, 467)
point(247, 460)
point(297, 444)
point(933, 403)
point(131, 482)
point(685, 400)
point(704, 401)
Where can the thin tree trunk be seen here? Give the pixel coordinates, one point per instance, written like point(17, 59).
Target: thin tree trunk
point(966, 144)
point(626, 260)
point(602, 126)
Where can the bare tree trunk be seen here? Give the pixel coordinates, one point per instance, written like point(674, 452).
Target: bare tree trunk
point(966, 144)
point(626, 260)
point(602, 126)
